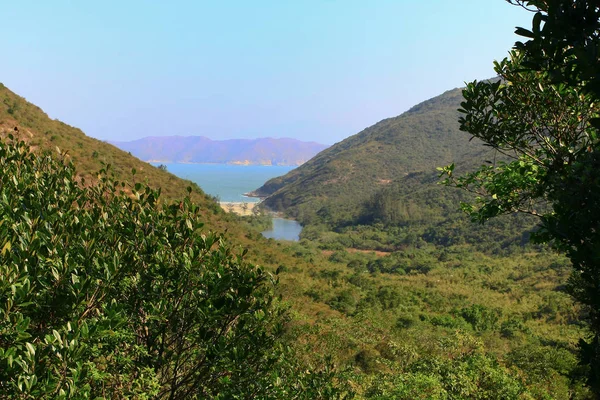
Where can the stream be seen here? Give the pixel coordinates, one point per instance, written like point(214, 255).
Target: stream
point(284, 229)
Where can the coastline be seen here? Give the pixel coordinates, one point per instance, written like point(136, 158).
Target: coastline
point(254, 195)
point(238, 207)
point(244, 208)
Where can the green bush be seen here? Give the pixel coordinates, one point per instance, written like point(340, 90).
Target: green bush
point(345, 302)
point(406, 322)
point(511, 327)
point(482, 318)
point(448, 321)
point(106, 293)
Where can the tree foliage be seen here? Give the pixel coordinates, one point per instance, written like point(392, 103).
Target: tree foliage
point(540, 128)
point(107, 293)
point(542, 117)
point(563, 41)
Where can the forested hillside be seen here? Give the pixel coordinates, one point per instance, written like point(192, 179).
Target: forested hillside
point(28, 122)
point(340, 179)
point(385, 180)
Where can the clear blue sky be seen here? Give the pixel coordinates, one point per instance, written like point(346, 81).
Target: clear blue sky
point(311, 69)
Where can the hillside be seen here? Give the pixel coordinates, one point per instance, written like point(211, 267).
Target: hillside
point(345, 175)
point(421, 139)
point(385, 177)
point(200, 149)
point(28, 122)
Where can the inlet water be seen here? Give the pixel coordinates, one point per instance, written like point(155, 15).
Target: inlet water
point(227, 182)
point(284, 229)
point(230, 182)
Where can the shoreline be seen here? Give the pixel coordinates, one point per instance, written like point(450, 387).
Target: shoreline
point(243, 208)
point(253, 195)
point(238, 207)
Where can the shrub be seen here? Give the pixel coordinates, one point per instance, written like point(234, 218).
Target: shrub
point(108, 295)
point(406, 322)
point(448, 321)
point(482, 318)
point(345, 302)
point(511, 327)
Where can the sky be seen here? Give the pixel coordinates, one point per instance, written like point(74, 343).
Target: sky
point(315, 70)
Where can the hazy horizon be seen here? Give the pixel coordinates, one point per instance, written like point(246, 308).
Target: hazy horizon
point(209, 138)
point(313, 70)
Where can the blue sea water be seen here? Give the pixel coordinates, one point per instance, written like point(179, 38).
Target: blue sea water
point(227, 182)
point(230, 182)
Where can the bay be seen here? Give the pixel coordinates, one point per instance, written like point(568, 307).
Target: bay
point(228, 182)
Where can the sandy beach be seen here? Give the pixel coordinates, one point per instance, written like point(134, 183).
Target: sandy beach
point(239, 208)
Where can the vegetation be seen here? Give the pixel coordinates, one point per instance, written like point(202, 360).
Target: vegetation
point(105, 294)
point(394, 323)
point(431, 318)
point(347, 198)
point(30, 124)
point(543, 115)
point(444, 322)
point(391, 293)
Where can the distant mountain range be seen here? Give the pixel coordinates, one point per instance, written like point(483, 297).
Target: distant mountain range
point(200, 149)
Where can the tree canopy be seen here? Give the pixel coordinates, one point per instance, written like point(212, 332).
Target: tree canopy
point(108, 293)
point(541, 116)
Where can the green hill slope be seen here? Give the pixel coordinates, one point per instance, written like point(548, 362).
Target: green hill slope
point(89, 154)
point(384, 180)
point(28, 122)
point(344, 176)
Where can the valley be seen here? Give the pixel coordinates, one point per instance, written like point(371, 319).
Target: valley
point(390, 287)
point(300, 200)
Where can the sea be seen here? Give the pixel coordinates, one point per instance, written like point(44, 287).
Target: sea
point(227, 182)
point(230, 182)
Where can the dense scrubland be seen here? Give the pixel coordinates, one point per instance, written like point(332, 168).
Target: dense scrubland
point(111, 293)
